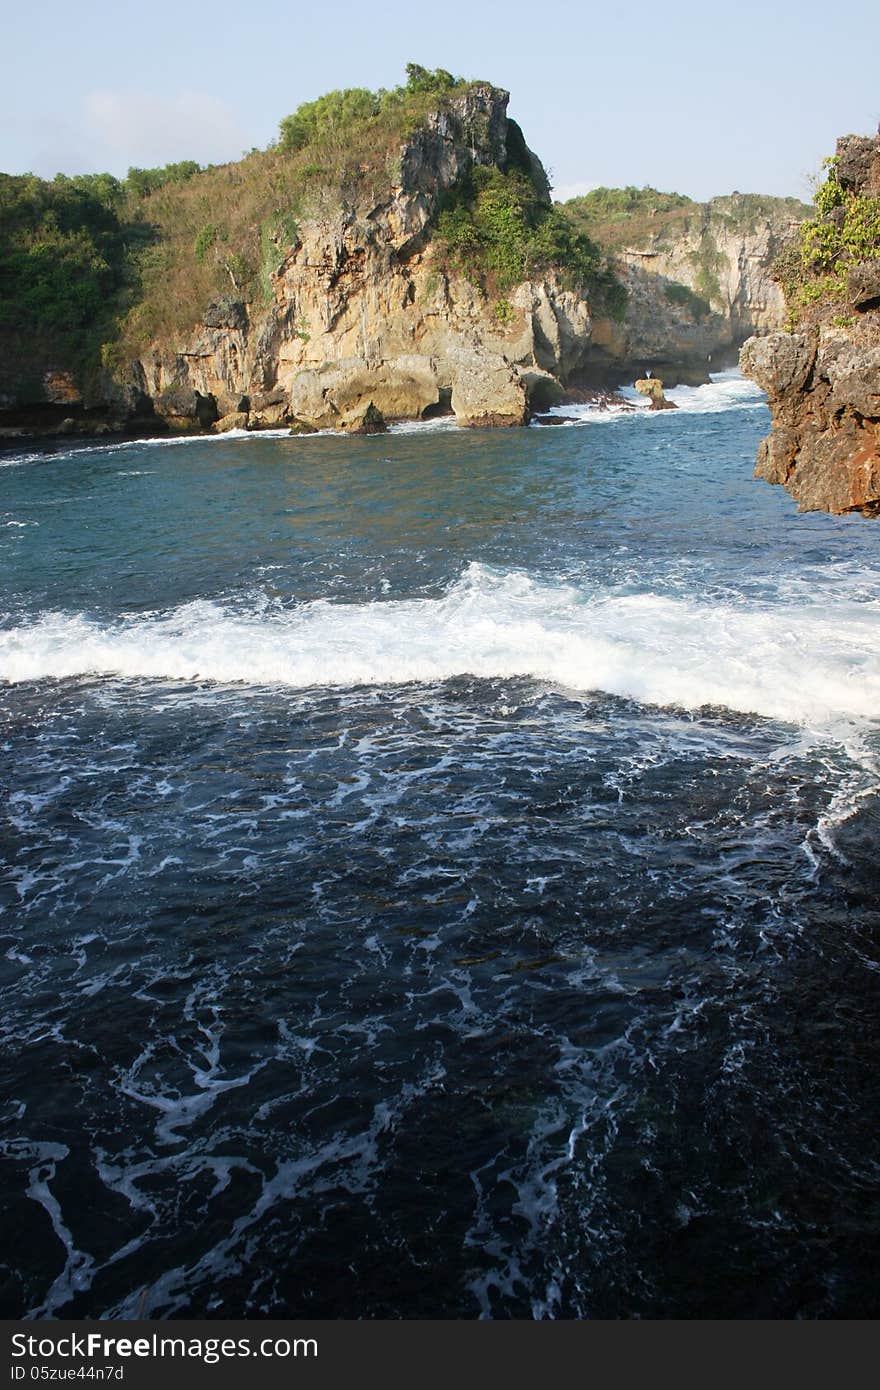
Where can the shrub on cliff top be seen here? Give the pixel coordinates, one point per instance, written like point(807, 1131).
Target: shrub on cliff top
point(330, 113)
point(419, 79)
point(621, 217)
point(141, 182)
point(341, 111)
point(621, 204)
point(813, 269)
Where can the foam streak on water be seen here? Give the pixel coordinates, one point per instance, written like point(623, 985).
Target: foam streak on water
point(800, 661)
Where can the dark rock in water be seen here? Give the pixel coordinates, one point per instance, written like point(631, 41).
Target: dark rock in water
point(176, 402)
point(183, 408)
point(301, 427)
point(555, 419)
point(856, 839)
point(206, 410)
point(596, 395)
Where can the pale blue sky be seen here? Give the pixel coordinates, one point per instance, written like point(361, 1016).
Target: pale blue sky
point(689, 96)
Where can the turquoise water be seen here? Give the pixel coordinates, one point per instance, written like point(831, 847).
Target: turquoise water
point(439, 876)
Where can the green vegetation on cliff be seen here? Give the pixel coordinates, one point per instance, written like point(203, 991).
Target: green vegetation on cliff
point(814, 269)
point(72, 251)
point(68, 268)
point(61, 253)
point(498, 230)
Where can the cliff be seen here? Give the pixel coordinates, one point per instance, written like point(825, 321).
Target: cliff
point(322, 283)
point(363, 306)
point(822, 378)
point(697, 275)
point(395, 253)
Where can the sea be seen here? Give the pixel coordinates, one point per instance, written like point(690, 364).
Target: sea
point(440, 876)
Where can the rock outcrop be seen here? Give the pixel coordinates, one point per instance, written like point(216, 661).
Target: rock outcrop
point(364, 310)
point(652, 387)
point(823, 380)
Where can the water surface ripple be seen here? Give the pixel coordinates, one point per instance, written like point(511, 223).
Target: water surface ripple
point(440, 877)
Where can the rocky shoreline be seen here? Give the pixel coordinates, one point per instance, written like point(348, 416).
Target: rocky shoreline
point(84, 432)
point(823, 380)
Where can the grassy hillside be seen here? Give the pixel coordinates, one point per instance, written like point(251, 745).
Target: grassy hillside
point(617, 216)
point(638, 217)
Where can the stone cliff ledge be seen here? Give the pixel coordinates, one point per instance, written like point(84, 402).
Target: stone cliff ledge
point(823, 379)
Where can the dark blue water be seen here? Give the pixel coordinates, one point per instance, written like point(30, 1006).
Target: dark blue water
point(440, 878)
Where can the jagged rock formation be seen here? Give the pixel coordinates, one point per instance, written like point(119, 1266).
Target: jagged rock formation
point(823, 381)
point(364, 311)
point(698, 281)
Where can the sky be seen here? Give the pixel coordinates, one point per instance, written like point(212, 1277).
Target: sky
point(693, 97)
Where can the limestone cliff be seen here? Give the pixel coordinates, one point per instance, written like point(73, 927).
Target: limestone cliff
point(363, 309)
point(823, 379)
point(698, 277)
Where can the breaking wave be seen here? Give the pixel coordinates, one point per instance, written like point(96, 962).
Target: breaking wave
point(724, 391)
point(801, 660)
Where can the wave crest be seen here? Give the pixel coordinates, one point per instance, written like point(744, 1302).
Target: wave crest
point(797, 661)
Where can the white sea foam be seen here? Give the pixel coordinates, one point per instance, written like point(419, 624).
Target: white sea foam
point(83, 450)
point(441, 424)
point(810, 660)
point(727, 390)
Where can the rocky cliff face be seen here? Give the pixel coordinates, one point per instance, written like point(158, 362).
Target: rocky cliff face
point(353, 302)
point(823, 381)
point(364, 311)
point(699, 284)
point(823, 386)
